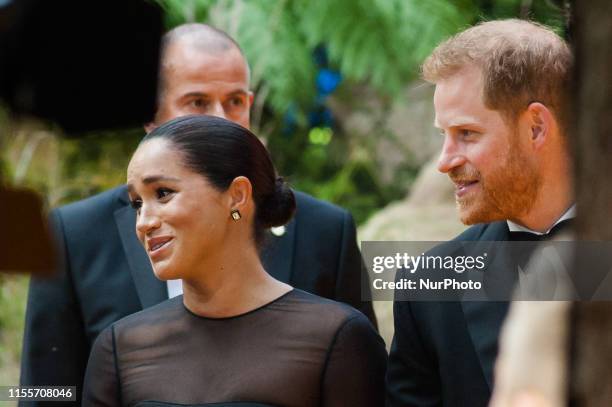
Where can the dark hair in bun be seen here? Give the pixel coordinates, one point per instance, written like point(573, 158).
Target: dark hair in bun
point(274, 209)
point(222, 150)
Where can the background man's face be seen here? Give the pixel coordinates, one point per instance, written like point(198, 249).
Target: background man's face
point(197, 82)
point(482, 155)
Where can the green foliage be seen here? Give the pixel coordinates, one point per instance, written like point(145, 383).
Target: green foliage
point(276, 49)
point(33, 155)
point(96, 163)
point(321, 167)
point(13, 297)
point(339, 184)
point(543, 11)
point(381, 42)
point(182, 11)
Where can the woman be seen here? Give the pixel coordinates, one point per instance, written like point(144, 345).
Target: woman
point(205, 190)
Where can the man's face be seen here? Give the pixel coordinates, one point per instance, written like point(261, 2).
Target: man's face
point(494, 176)
point(198, 82)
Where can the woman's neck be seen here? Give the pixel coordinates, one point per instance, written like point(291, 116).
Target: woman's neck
point(231, 284)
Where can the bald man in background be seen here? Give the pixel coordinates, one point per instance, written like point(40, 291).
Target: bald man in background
point(106, 273)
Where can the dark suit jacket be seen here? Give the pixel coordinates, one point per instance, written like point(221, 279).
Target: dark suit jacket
point(443, 352)
point(107, 275)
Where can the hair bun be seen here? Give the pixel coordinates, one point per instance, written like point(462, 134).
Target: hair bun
point(279, 207)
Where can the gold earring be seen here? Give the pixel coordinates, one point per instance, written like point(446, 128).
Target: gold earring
point(236, 214)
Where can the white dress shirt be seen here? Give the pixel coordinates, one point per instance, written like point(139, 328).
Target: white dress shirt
point(175, 287)
point(569, 214)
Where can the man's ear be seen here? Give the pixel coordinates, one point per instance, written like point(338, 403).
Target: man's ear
point(240, 194)
point(251, 97)
point(541, 122)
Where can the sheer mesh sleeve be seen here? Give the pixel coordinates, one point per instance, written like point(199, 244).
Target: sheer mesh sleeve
point(101, 387)
point(355, 369)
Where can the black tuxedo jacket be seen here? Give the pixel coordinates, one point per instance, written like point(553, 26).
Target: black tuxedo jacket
point(443, 352)
point(106, 275)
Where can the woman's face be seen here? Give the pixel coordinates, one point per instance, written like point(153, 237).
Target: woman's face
point(181, 218)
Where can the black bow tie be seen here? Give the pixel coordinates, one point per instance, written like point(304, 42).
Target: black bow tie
point(521, 236)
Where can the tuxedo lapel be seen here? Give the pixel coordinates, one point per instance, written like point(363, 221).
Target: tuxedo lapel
point(277, 255)
point(485, 318)
point(150, 290)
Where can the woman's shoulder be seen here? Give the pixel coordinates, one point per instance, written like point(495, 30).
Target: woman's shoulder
point(332, 325)
point(309, 300)
point(149, 323)
point(322, 312)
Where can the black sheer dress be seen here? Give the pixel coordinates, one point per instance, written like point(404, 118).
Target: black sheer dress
point(298, 350)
